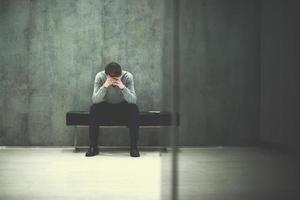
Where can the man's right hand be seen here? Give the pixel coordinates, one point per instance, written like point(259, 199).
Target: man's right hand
point(108, 81)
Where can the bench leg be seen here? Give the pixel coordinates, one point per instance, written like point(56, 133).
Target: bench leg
point(75, 141)
point(164, 149)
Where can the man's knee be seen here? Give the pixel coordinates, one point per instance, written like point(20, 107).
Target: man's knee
point(93, 108)
point(97, 106)
point(133, 107)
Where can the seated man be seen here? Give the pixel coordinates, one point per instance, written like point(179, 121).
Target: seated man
point(114, 98)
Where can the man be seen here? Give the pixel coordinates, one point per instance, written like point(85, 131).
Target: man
point(113, 99)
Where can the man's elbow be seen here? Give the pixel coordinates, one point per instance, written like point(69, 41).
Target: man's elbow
point(132, 100)
point(95, 100)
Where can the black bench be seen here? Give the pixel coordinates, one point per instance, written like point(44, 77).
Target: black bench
point(148, 119)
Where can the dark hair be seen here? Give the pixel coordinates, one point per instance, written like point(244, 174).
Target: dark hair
point(113, 69)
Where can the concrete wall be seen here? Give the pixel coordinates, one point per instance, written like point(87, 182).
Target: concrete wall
point(280, 71)
point(220, 72)
point(51, 51)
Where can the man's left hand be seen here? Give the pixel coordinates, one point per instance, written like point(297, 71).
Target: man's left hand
point(119, 83)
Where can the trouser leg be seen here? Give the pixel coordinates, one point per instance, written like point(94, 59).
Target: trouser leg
point(93, 127)
point(96, 112)
point(133, 123)
point(107, 112)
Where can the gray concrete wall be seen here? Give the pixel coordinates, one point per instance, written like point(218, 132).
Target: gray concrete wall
point(52, 50)
point(219, 72)
point(280, 71)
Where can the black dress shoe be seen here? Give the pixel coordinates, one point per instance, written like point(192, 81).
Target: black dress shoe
point(92, 152)
point(134, 152)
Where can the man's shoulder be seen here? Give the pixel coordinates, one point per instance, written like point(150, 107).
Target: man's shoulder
point(127, 74)
point(101, 74)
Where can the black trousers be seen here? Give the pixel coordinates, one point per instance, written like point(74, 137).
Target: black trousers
point(122, 113)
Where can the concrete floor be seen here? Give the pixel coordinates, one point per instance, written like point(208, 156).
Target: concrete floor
point(58, 173)
point(204, 173)
point(238, 174)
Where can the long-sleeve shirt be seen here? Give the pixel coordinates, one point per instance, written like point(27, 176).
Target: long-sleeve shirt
point(113, 94)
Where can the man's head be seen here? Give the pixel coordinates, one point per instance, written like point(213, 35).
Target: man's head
point(113, 69)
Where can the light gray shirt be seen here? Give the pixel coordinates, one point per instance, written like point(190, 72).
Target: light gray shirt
point(113, 94)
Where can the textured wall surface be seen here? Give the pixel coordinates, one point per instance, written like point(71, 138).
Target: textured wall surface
point(220, 82)
point(52, 50)
point(280, 71)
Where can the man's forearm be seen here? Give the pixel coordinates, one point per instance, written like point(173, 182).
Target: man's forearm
point(129, 96)
point(99, 95)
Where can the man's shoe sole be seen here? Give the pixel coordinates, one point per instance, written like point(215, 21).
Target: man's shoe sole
point(134, 154)
point(89, 154)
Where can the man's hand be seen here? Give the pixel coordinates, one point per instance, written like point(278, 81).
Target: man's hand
point(109, 81)
point(114, 81)
point(118, 83)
